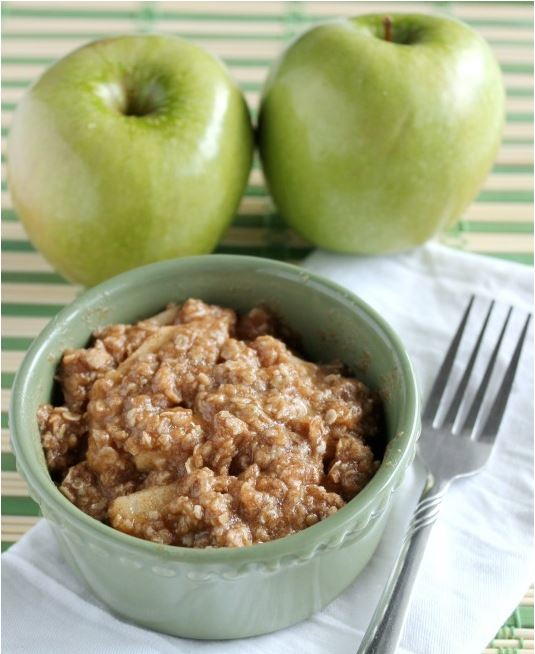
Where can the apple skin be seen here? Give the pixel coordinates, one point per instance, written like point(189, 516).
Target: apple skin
point(372, 146)
point(100, 191)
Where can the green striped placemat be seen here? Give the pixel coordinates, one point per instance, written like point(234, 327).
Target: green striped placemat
point(247, 36)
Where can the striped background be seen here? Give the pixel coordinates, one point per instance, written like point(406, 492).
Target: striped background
point(248, 36)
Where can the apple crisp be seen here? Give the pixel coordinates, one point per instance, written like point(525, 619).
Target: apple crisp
point(198, 427)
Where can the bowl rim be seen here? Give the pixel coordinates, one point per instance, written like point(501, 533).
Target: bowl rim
point(48, 494)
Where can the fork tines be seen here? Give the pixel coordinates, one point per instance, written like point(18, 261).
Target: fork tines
point(492, 423)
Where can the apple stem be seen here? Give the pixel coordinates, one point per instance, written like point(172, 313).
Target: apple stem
point(387, 24)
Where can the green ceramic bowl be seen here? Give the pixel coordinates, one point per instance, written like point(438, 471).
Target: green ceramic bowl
point(226, 592)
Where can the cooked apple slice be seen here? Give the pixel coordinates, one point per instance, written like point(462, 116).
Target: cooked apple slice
point(138, 506)
point(152, 344)
point(165, 317)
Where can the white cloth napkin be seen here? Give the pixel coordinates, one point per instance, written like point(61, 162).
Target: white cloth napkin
point(478, 562)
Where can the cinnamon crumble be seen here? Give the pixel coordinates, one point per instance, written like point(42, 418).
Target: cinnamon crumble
point(197, 427)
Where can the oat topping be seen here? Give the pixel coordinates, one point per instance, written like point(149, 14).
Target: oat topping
point(200, 428)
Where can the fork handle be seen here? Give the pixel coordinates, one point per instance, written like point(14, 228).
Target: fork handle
point(384, 631)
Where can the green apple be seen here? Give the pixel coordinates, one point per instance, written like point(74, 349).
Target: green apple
point(129, 150)
point(376, 132)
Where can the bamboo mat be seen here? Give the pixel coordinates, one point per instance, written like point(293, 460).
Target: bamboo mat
point(247, 36)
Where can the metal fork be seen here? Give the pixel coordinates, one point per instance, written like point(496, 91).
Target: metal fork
point(446, 456)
